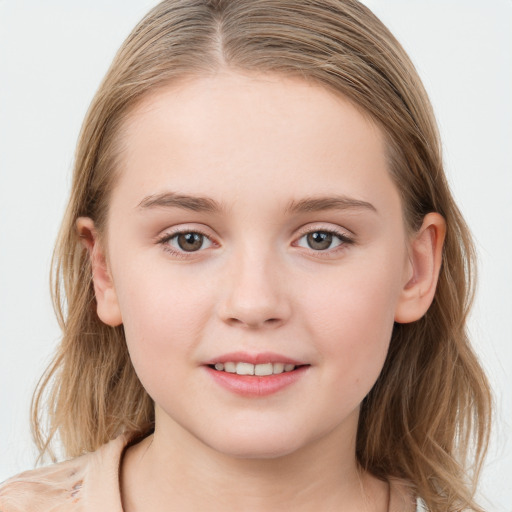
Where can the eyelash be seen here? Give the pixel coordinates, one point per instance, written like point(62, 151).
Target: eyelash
point(344, 240)
point(165, 239)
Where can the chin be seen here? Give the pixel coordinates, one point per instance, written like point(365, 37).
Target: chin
point(252, 452)
point(256, 445)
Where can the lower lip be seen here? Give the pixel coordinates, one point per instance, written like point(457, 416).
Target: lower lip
point(255, 386)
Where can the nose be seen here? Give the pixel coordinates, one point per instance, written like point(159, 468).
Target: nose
point(255, 293)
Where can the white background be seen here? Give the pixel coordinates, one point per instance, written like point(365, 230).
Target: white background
point(53, 55)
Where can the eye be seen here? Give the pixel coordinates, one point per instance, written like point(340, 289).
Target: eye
point(321, 240)
point(186, 241)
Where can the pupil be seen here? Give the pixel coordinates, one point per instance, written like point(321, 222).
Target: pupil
point(190, 241)
point(319, 240)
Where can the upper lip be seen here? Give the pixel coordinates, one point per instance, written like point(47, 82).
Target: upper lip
point(259, 358)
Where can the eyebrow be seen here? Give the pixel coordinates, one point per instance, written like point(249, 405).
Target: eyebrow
point(186, 202)
point(318, 204)
point(207, 204)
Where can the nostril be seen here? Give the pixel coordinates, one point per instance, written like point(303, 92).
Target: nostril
point(254, 323)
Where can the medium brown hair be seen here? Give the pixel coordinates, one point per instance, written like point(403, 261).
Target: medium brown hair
point(427, 418)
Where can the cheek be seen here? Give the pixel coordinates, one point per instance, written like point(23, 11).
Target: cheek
point(163, 326)
point(163, 316)
point(353, 323)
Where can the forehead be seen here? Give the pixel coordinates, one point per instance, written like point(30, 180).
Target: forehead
point(257, 136)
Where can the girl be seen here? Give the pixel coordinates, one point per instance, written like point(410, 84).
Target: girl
point(262, 278)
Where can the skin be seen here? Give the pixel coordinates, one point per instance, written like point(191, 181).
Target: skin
point(256, 144)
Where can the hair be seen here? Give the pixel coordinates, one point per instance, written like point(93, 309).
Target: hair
point(427, 419)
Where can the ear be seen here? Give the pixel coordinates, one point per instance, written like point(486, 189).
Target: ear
point(425, 257)
point(106, 297)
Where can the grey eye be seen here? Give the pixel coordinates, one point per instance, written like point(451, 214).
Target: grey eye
point(189, 241)
point(320, 240)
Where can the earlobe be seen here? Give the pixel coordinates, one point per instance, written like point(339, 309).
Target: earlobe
point(106, 298)
point(426, 249)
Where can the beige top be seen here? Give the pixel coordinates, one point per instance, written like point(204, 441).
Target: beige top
point(85, 484)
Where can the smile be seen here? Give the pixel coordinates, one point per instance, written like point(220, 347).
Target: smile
point(264, 369)
point(255, 375)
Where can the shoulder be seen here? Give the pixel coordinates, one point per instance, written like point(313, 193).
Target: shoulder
point(55, 487)
point(66, 486)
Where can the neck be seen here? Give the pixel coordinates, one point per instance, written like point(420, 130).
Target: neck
point(174, 467)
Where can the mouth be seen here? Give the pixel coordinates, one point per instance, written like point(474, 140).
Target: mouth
point(257, 375)
point(259, 370)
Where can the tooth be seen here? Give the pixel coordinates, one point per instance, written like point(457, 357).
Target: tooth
point(263, 369)
point(278, 368)
point(289, 367)
point(244, 369)
point(219, 366)
point(230, 367)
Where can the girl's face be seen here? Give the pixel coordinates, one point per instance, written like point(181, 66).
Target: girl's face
point(254, 221)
